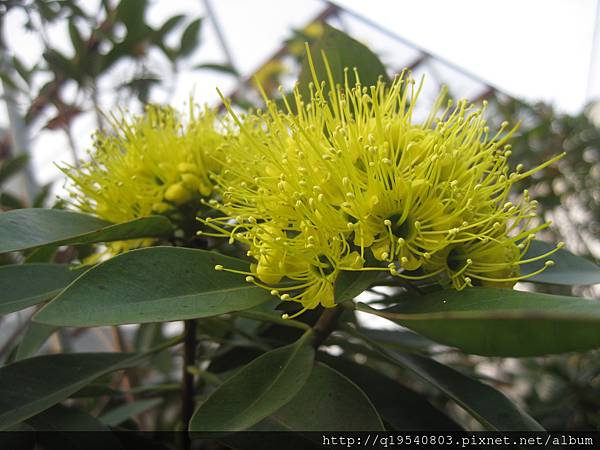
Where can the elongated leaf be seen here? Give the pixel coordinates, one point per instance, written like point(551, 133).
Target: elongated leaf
point(190, 38)
point(168, 26)
point(502, 322)
point(10, 201)
point(328, 401)
point(11, 166)
point(223, 68)
point(402, 340)
point(489, 406)
point(69, 430)
point(342, 52)
point(120, 414)
point(32, 385)
point(568, 268)
point(256, 390)
point(154, 285)
point(400, 407)
point(34, 227)
point(61, 418)
point(23, 285)
point(35, 335)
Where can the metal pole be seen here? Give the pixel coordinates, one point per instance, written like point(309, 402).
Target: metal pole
point(220, 36)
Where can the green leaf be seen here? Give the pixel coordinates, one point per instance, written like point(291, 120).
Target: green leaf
point(328, 401)
point(34, 227)
point(168, 26)
point(400, 407)
point(69, 429)
point(190, 37)
point(501, 322)
point(121, 413)
point(154, 284)
point(10, 201)
point(132, 14)
point(11, 166)
point(223, 68)
point(568, 269)
point(23, 72)
point(41, 197)
point(349, 284)
point(33, 338)
point(256, 390)
point(489, 406)
point(24, 285)
point(32, 385)
point(402, 340)
point(342, 52)
point(76, 39)
point(41, 255)
point(59, 63)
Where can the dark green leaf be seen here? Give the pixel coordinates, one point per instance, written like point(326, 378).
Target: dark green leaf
point(41, 196)
point(400, 407)
point(9, 82)
point(33, 338)
point(224, 68)
point(11, 166)
point(190, 38)
point(121, 413)
point(168, 26)
point(76, 39)
point(32, 385)
point(59, 63)
point(28, 228)
point(328, 401)
point(70, 429)
point(502, 322)
point(132, 14)
point(568, 268)
point(256, 390)
point(154, 285)
point(23, 72)
point(97, 389)
point(342, 52)
point(489, 406)
point(402, 340)
point(24, 285)
point(10, 201)
point(41, 255)
point(350, 284)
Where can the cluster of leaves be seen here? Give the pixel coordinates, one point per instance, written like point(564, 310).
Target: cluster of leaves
point(99, 41)
point(249, 368)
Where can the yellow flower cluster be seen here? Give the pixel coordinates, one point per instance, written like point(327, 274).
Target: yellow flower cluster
point(345, 181)
point(150, 164)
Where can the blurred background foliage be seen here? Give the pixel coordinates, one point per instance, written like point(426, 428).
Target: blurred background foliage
point(561, 392)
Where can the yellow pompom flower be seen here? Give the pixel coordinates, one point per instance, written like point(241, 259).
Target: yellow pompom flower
point(149, 164)
point(347, 181)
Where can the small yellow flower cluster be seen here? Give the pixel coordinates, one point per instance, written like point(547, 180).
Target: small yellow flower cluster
point(150, 164)
point(345, 181)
